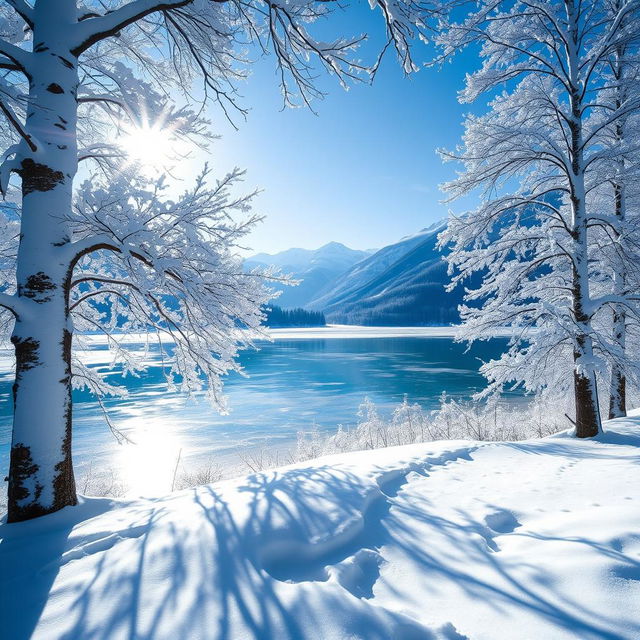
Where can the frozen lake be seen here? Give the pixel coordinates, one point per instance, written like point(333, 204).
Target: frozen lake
point(304, 377)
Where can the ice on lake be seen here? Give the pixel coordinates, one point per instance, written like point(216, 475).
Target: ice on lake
point(304, 378)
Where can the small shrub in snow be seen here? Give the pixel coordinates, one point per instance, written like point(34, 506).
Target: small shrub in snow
point(257, 459)
point(453, 420)
point(196, 476)
point(106, 483)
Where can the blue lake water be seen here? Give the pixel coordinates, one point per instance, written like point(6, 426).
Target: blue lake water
point(292, 384)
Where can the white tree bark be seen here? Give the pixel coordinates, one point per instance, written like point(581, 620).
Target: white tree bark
point(618, 380)
point(586, 398)
point(41, 474)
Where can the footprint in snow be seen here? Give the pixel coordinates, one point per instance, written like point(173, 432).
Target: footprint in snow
point(358, 573)
point(502, 521)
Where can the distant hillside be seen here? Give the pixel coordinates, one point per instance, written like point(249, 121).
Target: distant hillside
point(401, 284)
point(315, 268)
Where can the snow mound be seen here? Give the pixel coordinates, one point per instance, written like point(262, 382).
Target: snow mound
point(447, 540)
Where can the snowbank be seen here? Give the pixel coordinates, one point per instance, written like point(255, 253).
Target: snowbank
point(451, 540)
point(359, 331)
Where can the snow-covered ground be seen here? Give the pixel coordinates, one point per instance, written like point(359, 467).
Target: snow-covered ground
point(514, 541)
point(358, 331)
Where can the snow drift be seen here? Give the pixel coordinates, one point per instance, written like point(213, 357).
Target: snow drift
point(451, 540)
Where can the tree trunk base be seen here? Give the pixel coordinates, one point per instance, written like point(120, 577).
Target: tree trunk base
point(587, 417)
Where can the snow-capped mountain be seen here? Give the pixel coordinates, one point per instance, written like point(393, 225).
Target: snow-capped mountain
point(401, 284)
point(315, 268)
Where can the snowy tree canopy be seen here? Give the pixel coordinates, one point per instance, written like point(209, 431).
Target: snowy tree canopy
point(545, 163)
point(119, 252)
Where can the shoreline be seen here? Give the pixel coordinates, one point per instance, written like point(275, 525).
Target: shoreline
point(330, 331)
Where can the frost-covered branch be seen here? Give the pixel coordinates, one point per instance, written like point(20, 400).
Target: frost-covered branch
point(168, 265)
point(17, 125)
point(95, 27)
point(23, 9)
point(18, 59)
point(542, 244)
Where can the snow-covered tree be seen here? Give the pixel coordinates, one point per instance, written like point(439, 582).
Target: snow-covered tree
point(618, 239)
point(75, 74)
point(537, 158)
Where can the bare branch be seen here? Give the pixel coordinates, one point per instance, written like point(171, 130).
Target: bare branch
point(94, 29)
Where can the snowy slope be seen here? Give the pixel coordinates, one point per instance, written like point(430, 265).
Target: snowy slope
point(314, 268)
point(369, 268)
point(452, 540)
point(401, 284)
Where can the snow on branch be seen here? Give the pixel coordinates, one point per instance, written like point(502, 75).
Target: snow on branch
point(97, 27)
point(145, 262)
point(208, 39)
point(15, 58)
point(24, 10)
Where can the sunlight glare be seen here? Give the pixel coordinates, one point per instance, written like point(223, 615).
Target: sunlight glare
point(149, 464)
point(149, 146)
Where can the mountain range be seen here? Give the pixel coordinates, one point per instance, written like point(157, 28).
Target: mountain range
point(314, 268)
point(400, 284)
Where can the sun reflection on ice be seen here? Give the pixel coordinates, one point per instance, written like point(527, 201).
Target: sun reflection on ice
point(148, 463)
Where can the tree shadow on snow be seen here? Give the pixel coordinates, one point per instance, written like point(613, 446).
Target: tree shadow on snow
point(199, 573)
point(32, 554)
point(250, 563)
point(478, 555)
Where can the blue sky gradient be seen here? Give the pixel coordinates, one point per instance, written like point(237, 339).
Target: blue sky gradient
point(364, 170)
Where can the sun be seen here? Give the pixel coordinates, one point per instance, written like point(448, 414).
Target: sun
point(150, 146)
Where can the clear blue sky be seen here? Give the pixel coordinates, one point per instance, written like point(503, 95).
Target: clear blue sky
point(364, 170)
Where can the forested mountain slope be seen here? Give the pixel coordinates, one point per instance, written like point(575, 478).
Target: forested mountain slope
point(401, 284)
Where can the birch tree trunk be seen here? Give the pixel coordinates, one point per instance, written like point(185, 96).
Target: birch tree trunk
point(618, 381)
point(41, 473)
point(584, 376)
